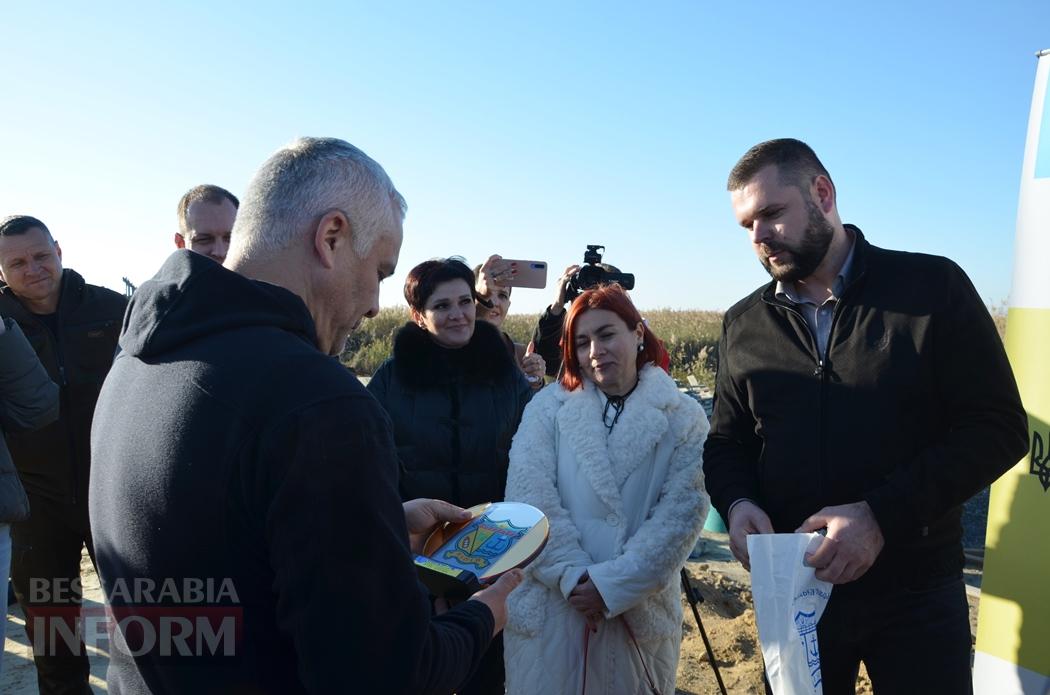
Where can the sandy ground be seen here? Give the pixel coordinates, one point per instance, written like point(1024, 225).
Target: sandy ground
point(729, 621)
point(726, 613)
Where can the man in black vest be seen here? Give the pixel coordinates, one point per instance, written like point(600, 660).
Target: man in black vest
point(73, 327)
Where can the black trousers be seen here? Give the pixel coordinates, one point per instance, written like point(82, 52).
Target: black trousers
point(45, 573)
point(911, 640)
point(490, 677)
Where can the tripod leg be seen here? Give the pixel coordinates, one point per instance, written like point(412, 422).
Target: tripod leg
point(694, 599)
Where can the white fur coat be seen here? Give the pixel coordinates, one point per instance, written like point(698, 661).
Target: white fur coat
point(626, 507)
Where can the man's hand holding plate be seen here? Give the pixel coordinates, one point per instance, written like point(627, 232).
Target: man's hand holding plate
point(422, 516)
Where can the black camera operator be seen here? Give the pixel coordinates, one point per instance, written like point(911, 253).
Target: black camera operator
point(576, 278)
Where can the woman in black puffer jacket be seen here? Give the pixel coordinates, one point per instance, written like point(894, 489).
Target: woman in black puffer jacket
point(453, 393)
point(455, 397)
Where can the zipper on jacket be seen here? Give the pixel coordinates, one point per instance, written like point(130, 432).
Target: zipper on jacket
point(64, 398)
point(814, 352)
point(65, 411)
point(840, 304)
point(456, 444)
point(822, 427)
point(820, 373)
point(70, 439)
point(75, 478)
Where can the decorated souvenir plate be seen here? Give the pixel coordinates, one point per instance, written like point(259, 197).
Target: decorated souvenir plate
point(500, 537)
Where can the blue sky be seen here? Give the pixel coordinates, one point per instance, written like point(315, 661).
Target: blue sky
point(529, 129)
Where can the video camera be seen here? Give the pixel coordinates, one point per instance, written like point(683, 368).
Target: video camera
point(592, 274)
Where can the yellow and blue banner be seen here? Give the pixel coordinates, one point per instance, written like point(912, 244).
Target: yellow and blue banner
point(1013, 626)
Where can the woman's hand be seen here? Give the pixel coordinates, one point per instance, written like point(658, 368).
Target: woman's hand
point(494, 273)
point(534, 366)
point(422, 516)
point(586, 599)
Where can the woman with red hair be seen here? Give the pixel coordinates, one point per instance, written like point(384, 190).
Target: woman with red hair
point(611, 454)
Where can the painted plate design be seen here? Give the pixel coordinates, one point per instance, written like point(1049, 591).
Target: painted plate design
point(500, 537)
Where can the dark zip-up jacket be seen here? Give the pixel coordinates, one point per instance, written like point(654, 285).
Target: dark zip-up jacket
point(546, 339)
point(229, 450)
point(28, 400)
point(54, 461)
point(454, 413)
point(912, 408)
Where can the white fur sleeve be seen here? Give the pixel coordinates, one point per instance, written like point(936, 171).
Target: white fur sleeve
point(663, 541)
point(532, 478)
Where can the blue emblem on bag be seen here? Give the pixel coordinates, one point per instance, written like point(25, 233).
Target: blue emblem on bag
point(806, 624)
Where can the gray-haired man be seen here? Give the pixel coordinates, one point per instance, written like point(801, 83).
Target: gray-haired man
point(233, 452)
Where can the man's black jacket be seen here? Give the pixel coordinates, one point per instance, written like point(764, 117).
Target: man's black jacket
point(546, 339)
point(229, 450)
point(913, 408)
point(54, 461)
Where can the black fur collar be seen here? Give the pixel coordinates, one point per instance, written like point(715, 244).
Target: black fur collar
point(420, 362)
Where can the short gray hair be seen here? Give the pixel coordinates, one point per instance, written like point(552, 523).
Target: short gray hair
point(307, 179)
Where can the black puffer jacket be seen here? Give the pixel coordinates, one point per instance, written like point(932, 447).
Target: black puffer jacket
point(912, 409)
point(54, 461)
point(454, 414)
point(28, 400)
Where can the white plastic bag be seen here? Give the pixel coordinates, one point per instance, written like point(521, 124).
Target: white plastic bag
point(789, 601)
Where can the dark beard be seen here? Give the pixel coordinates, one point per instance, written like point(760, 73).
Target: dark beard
point(806, 256)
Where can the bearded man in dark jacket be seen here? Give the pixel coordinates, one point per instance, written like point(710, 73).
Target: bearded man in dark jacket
point(73, 328)
point(865, 392)
point(234, 453)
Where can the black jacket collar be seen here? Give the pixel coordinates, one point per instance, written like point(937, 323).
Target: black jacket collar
point(71, 291)
point(192, 296)
point(420, 362)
